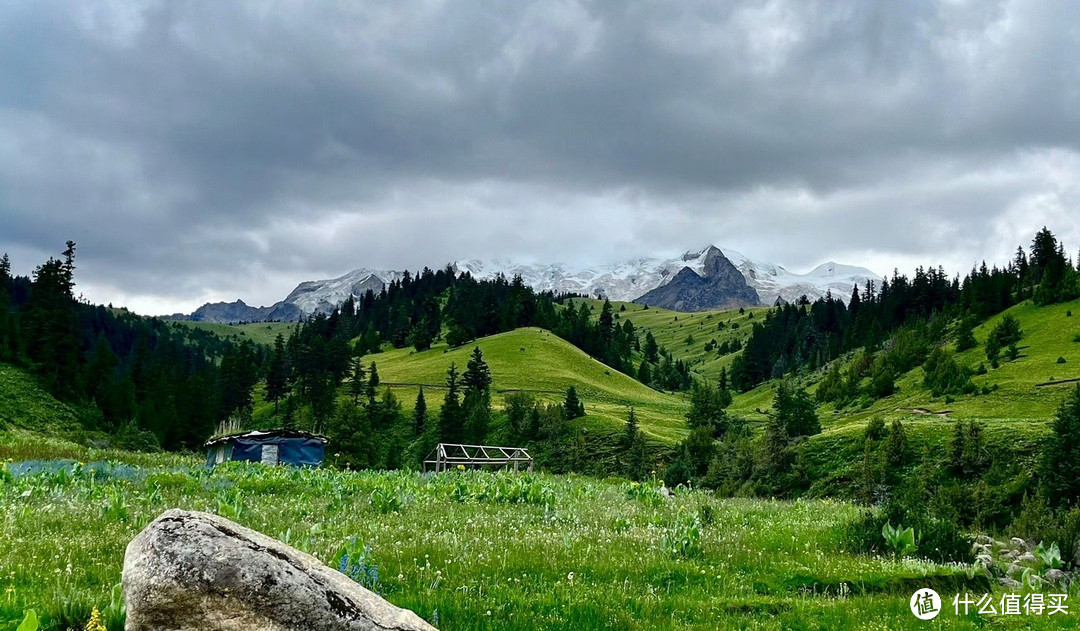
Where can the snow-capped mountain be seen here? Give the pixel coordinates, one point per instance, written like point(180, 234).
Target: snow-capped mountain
point(313, 296)
point(773, 281)
point(632, 279)
point(624, 281)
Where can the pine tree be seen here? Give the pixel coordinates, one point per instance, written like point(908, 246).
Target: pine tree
point(572, 406)
point(451, 416)
point(477, 377)
point(1059, 464)
point(419, 413)
point(372, 384)
point(652, 349)
point(793, 407)
point(277, 377)
point(358, 383)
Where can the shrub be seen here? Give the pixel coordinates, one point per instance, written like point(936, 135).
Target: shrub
point(900, 540)
point(1061, 360)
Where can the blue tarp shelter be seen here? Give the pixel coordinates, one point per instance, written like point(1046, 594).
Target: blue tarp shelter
point(272, 447)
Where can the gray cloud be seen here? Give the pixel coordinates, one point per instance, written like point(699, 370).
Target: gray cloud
point(203, 151)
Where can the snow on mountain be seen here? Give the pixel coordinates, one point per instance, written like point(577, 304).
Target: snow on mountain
point(324, 295)
point(632, 279)
point(772, 281)
point(624, 281)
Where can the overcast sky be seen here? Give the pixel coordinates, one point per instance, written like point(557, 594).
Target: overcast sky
point(203, 151)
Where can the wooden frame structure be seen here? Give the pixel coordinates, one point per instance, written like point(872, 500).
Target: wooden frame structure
point(447, 455)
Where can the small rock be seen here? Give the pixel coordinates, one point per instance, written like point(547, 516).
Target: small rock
point(1015, 570)
point(1054, 576)
point(1026, 557)
point(984, 540)
point(980, 548)
point(1008, 582)
point(666, 492)
point(191, 571)
point(985, 560)
point(1018, 543)
point(1010, 555)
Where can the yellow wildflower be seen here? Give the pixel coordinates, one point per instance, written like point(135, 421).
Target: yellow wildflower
point(95, 623)
point(461, 467)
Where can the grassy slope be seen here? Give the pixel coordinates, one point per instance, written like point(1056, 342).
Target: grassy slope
point(1014, 416)
point(577, 554)
point(538, 361)
point(671, 328)
point(258, 332)
point(23, 404)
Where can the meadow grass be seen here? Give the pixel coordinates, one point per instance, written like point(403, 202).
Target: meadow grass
point(475, 550)
point(258, 332)
point(539, 362)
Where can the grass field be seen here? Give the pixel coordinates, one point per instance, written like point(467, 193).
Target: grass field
point(258, 332)
point(539, 362)
point(488, 551)
point(672, 328)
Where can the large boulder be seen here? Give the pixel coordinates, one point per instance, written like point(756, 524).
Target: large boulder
point(195, 571)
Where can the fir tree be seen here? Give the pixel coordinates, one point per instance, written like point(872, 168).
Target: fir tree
point(572, 406)
point(451, 416)
point(419, 413)
point(794, 408)
point(277, 377)
point(1059, 465)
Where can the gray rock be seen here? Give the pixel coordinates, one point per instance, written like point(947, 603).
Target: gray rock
point(1008, 582)
point(1026, 557)
point(1015, 570)
point(984, 540)
point(1010, 555)
point(722, 287)
point(191, 571)
point(1018, 543)
point(1054, 576)
point(984, 559)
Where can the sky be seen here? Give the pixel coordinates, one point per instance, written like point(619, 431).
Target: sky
point(206, 151)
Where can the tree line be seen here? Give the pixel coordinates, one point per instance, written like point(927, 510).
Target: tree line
point(141, 379)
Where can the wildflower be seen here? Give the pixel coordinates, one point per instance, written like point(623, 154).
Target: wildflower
point(95, 623)
point(461, 467)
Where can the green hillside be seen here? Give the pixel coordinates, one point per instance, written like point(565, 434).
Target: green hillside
point(258, 332)
point(673, 328)
point(23, 404)
point(539, 362)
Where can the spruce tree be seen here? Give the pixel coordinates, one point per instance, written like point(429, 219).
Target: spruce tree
point(572, 405)
point(419, 413)
point(277, 378)
point(793, 407)
point(1059, 465)
point(372, 384)
point(451, 416)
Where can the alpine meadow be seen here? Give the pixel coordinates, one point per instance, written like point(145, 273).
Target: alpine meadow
point(562, 316)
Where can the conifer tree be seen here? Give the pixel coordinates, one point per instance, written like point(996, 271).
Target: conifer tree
point(1059, 465)
point(277, 377)
point(451, 416)
point(419, 413)
point(572, 405)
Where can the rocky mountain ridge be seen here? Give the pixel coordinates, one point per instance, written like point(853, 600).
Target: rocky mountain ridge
point(626, 281)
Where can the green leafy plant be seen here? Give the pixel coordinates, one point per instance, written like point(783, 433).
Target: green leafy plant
point(1050, 558)
point(901, 540)
point(30, 622)
point(386, 501)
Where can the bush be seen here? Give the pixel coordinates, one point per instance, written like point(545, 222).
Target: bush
point(1061, 360)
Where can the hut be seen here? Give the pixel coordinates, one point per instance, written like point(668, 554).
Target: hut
point(272, 447)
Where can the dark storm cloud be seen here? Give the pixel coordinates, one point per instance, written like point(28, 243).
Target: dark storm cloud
point(210, 150)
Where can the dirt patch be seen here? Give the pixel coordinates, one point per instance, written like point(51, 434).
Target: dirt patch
point(1058, 382)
